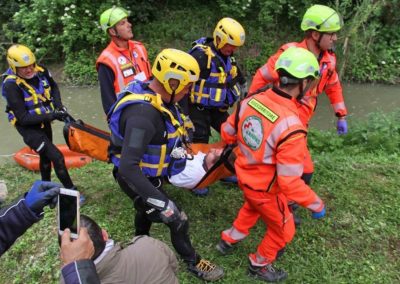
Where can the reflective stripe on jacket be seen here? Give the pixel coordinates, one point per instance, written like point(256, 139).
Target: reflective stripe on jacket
point(329, 82)
point(156, 159)
point(126, 64)
point(272, 142)
point(219, 89)
point(37, 100)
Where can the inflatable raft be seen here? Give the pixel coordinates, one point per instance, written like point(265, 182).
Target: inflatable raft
point(29, 159)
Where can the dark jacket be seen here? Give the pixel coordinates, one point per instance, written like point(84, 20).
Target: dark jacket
point(16, 218)
point(80, 272)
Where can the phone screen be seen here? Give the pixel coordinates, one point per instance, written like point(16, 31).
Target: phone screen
point(68, 210)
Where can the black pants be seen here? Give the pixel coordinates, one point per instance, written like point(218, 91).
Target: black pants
point(146, 215)
point(40, 139)
point(205, 118)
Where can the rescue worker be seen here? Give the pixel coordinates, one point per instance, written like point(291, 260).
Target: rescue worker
point(123, 60)
point(147, 144)
point(220, 84)
point(218, 87)
point(320, 24)
point(269, 165)
point(33, 102)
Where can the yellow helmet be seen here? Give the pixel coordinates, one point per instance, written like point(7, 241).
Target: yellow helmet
point(175, 64)
point(19, 55)
point(229, 31)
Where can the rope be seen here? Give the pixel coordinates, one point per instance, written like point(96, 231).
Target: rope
point(7, 155)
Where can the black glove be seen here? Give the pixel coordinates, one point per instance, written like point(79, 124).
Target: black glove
point(59, 115)
point(63, 109)
point(41, 194)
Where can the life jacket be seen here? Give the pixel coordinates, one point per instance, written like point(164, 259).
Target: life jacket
point(126, 64)
point(265, 121)
point(37, 100)
point(157, 160)
point(219, 89)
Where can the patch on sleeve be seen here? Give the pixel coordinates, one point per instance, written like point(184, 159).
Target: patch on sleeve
point(136, 139)
point(262, 109)
point(253, 132)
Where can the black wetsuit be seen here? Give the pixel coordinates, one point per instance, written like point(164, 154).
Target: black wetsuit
point(35, 129)
point(141, 125)
point(205, 118)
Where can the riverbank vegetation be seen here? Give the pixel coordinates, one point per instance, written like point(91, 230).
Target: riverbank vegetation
point(67, 31)
point(357, 175)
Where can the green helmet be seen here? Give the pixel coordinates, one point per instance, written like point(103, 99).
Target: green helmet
point(298, 62)
point(321, 18)
point(111, 17)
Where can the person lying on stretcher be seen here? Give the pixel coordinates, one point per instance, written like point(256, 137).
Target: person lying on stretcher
point(198, 166)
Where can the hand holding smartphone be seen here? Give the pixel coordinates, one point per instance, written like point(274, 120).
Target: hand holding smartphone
point(68, 212)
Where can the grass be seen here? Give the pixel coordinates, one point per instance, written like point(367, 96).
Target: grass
point(357, 242)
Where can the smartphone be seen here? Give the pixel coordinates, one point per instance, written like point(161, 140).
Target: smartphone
point(68, 212)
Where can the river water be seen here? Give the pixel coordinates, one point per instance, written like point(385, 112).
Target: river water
point(84, 103)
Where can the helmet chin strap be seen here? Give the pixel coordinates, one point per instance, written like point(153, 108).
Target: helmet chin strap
point(301, 94)
point(171, 101)
point(319, 40)
point(116, 33)
point(303, 91)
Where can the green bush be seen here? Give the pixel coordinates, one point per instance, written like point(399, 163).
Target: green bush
point(380, 132)
point(67, 31)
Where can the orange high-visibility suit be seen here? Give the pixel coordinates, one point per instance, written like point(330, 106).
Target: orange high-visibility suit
point(329, 83)
point(126, 63)
point(269, 165)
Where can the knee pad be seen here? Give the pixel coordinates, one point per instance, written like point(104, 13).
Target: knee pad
point(181, 224)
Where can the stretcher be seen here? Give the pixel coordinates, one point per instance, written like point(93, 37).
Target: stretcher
point(87, 139)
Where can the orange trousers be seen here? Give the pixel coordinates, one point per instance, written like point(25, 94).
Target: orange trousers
point(275, 213)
